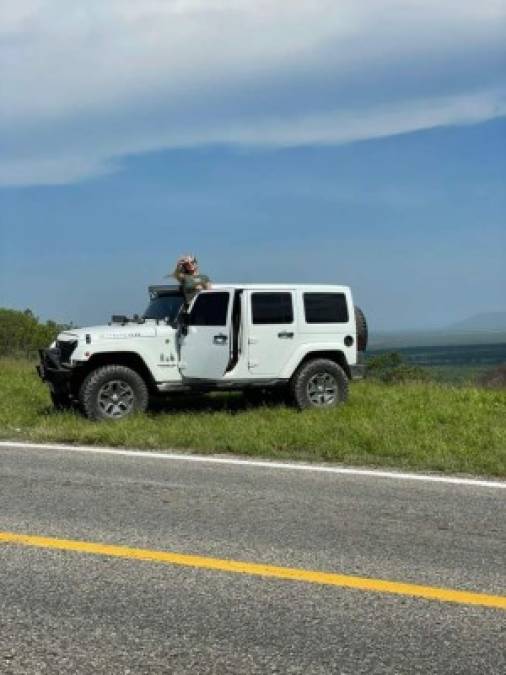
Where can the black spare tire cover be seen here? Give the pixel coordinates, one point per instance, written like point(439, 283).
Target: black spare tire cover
point(362, 334)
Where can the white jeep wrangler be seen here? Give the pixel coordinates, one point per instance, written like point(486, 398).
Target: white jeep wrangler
point(307, 339)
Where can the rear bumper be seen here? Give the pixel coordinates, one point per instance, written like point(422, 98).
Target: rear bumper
point(52, 371)
point(358, 372)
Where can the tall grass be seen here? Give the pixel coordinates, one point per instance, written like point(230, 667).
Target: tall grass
point(426, 426)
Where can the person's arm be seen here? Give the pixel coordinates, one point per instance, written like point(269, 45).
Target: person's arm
point(206, 282)
point(201, 282)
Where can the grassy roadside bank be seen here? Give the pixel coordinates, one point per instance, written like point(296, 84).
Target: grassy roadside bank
point(422, 426)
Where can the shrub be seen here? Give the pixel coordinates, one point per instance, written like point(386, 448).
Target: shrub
point(21, 333)
point(391, 368)
point(494, 379)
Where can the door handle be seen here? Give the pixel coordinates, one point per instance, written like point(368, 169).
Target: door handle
point(285, 335)
point(220, 339)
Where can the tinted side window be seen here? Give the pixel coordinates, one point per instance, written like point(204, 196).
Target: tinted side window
point(271, 308)
point(210, 309)
point(325, 308)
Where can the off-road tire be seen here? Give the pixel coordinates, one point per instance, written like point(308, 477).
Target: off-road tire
point(311, 371)
point(362, 332)
point(91, 392)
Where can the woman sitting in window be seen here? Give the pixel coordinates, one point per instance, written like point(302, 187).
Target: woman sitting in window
point(190, 280)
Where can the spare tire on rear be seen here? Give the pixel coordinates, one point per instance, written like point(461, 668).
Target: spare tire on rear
point(362, 334)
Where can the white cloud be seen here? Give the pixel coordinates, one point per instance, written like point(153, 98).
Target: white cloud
point(345, 126)
point(86, 83)
point(104, 154)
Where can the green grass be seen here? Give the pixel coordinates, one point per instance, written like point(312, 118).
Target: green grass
point(427, 426)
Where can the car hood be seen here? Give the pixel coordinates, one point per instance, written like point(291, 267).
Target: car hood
point(110, 332)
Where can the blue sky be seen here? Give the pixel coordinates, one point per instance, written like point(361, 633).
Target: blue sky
point(279, 141)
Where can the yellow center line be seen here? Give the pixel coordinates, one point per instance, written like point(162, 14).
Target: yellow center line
point(272, 571)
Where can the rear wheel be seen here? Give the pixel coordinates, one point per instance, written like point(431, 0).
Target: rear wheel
point(320, 383)
point(113, 392)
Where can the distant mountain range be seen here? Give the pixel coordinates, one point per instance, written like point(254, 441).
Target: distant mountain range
point(485, 321)
point(485, 328)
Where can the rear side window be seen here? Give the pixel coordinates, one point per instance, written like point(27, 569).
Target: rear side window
point(325, 308)
point(273, 308)
point(210, 309)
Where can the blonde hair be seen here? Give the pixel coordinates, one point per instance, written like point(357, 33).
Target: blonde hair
point(179, 271)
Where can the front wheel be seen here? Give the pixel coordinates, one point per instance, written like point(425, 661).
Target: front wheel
point(113, 392)
point(319, 384)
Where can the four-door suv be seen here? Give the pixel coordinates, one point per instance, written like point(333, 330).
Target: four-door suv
point(304, 338)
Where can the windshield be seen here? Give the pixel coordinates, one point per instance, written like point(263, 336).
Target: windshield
point(164, 307)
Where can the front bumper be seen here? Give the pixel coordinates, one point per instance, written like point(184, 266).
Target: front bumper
point(52, 371)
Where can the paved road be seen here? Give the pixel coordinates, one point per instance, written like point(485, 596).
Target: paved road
point(64, 611)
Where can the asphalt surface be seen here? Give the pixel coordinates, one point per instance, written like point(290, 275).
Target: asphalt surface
point(66, 612)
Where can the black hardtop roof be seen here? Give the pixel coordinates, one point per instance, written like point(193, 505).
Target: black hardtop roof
point(161, 289)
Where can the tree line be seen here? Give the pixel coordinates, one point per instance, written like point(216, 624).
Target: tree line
point(22, 333)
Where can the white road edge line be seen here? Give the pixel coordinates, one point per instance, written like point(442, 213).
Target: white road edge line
point(317, 468)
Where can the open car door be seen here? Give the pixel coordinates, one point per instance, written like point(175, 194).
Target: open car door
point(205, 349)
